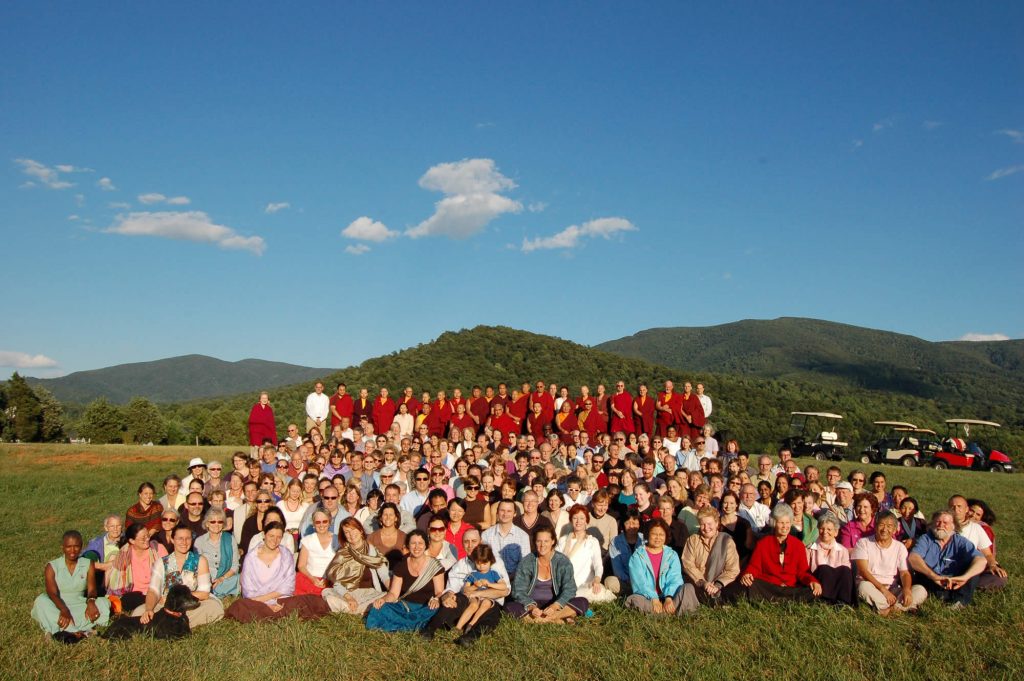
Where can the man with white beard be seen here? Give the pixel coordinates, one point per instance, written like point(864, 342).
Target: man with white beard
point(947, 564)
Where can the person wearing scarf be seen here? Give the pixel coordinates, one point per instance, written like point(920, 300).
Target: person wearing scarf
point(187, 567)
point(218, 547)
point(711, 564)
point(130, 574)
point(415, 591)
point(357, 573)
point(268, 582)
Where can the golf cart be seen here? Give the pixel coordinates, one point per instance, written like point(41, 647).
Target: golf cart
point(959, 451)
point(812, 433)
point(901, 443)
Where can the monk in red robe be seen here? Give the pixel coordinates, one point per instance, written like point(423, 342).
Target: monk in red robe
point(384, 410)
point(586, 400)
point(410, 402)
point(565, 422)
point(602, 407)
point(643, 411)
point(362, 407)
point(621, 410)
point(502, 396)
point(586, 420)
point(668, 408)
point(518, 407)
point(501, 420)
point(341, 406)
point(429, 417)
point(546, 401)
point(442, 409)
point(261, 422)
point(478, 408)
point(691, 411)
point(461, 420)
point(535, 422)
point(456, 400)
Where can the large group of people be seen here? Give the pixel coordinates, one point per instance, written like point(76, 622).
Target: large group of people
point(431, 514)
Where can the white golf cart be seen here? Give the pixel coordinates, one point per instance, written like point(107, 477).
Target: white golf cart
point(813, 433)
point(899, 442)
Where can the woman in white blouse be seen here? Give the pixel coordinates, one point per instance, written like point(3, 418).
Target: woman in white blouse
point(315, 554)
point(584, 551)
point(293, 505)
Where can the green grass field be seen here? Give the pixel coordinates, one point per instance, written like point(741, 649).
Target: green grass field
point(49, 488)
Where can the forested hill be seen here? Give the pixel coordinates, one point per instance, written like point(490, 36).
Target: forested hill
point(985, 375)
point(175, 379)
point(755, 408)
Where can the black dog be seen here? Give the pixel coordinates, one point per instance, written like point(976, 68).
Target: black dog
point(169, 623)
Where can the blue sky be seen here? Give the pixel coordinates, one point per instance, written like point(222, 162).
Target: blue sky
point(327, 184)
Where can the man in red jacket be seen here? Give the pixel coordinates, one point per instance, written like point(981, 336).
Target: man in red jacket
point(341, 406)
point(778, 568)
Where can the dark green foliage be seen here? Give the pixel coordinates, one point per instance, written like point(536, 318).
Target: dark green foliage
point(23, 412)
point(102, 422)
point(144, 422)
point(226, 426)
point(175, 379)
point(51, 426)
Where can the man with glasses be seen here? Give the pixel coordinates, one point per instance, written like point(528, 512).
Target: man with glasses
point(415, 498)
point(437, 502)
point(756, 513)
point(842, 506)
point(241, 512)
point(294, 438)
point(195, 506)
point(330, 503)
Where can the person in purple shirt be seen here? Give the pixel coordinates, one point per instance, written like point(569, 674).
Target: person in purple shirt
point(946, 563)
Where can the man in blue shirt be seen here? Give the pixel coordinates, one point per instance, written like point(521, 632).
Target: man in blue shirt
point(946, 563)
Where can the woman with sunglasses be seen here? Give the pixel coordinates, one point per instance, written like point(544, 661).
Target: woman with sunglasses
point(315, 553)
point(168, 521)
point(254, 523)
point(217, 546)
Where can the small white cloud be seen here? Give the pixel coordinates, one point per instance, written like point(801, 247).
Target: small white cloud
point(856, 144)
point(65, 168)
point(571, 236)
point(119, 205)
point(187, 226)
point(275, 207)
point(21, 360)
point(984, 337)
point(882, 125)
point(484, 124)
point(932, 125)
point(1004, 172)
point(179, 201)
point(80, 199)
point(357, 249)
point(152, 197)
point(43, 174)
point(1016, 135)
point(537, 207)
point(106, 184)
point(367, 229)
point(27, 185)
point(73, 218)
point(727, 275)
point(472, 198)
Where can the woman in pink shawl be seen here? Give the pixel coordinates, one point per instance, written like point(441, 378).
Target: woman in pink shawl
point(268, 582)
point(261, 424)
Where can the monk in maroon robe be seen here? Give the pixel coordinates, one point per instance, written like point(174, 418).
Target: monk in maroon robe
point(517, 408)
point(410, 402)
point(643, 411)
point(691, 412)
point(535, 422)
point(546, 401)
point(341, 406)
point(384, 410)
point(461, 420)
point(502, 420)
point(442, 409)
point(478, 409)
point(261, 422)
point(668, 408)
point(362, 407)
point(602, 407)
point(621, 407)
point(565, 422)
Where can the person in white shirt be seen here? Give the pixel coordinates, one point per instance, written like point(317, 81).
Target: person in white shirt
point(584, 551)
point(509, 542)
point(756, 513)
point(710, 443)
point(994, 577)
point(413, 500)
point(672, 441)
point(318, 408)
point(705, 400)
point(883, 577)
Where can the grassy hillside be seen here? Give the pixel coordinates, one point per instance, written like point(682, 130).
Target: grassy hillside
point(755, 409)
point(175, 379)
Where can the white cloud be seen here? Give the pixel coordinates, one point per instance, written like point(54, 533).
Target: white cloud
point(179, 201)
point(80, 199)
point(1016, 135)
point(932, 125)
point(106, 184)
point(367, 229)
point(984, 337)
point(73, 218)
point(43, 174)
point(571, 236)
point(1004, 172)
point(119, 205)
point(357, 249)
point(65, 168)
point(187, 226)
point(882, 125)
point(472, 187)
point(537, 207)
point(152, 197)
point(21, 360)
point(856, 144)
point(275, 207)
